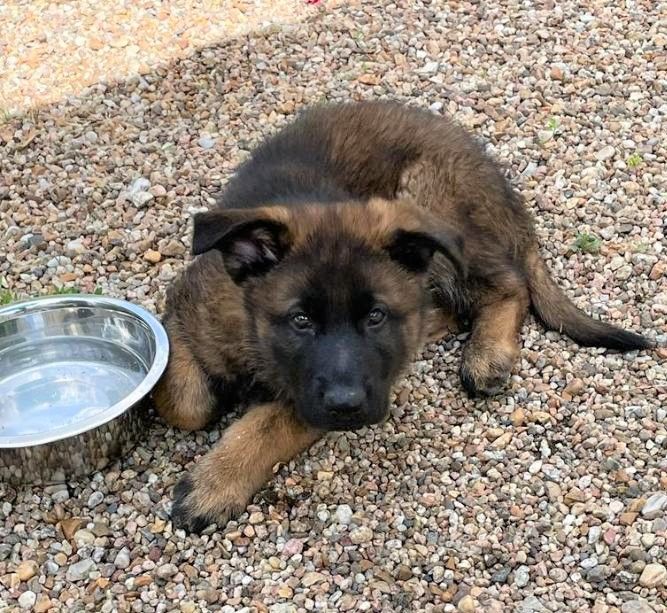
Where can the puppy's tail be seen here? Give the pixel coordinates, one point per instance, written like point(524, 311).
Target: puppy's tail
point(557, 312)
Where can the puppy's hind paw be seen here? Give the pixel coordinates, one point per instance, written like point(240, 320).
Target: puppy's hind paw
point(484, 374)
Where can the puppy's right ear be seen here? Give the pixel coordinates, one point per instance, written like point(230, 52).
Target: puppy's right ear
point(251, 241)
point(414, 249)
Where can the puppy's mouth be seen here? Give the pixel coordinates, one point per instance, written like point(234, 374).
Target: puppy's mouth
point(349, 425)
point(341, 423)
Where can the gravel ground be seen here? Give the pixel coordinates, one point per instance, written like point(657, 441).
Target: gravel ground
point(551, 497)
point(49, 49)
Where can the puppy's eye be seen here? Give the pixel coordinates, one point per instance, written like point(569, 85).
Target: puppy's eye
point(301, 322)
point(376, 317)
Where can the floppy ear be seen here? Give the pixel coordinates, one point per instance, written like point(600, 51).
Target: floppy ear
point(414, 250)
point(251, 241)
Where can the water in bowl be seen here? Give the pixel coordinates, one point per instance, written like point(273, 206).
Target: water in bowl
point(58, 381)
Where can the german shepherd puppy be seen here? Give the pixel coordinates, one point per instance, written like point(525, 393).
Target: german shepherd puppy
point(345, 242)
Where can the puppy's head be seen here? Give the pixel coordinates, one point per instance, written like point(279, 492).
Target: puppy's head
point(336, 296)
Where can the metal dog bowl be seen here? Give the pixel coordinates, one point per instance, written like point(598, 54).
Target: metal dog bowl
point(75, 372)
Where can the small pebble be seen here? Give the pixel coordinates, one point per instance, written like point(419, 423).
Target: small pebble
point(655, 506)
point(606, 153)
point(361, 535)
point(43, 604)
point(653, 575)
point(343, 514)
point(467, 605)
point(83, 538)
point(166, 571)
point(80, 570)
point(293, 547)
point(27, 570)
point(206, 142)
point(521, 576)
point(518, 417)
point(152, 256)
point(256, 518)
point(27, 600)
point(95, 499)
point(122, 559)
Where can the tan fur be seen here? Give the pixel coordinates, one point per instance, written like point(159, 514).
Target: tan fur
point(225, 479)
point(183, 397)
point(438, 324)
point(493, 346)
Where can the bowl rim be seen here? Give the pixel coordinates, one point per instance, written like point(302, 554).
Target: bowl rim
point(155, 371)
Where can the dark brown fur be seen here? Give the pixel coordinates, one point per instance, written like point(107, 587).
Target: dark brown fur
point(344, 176)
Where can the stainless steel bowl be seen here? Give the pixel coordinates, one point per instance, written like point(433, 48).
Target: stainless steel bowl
point(75, 374)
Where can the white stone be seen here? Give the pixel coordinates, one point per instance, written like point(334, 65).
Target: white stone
point(27, 600)
point(80, 570)
point(344, 514)
point(360, 535)
point(655, 506)
point(206, 142)
point(653, 575)
point(95, 499)
point(73, 248)
point(141, 199)
point(594, 534)
point(606, 153)
point(122, 559)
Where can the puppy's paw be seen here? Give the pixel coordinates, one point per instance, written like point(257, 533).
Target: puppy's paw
point(484, 373)
point(198, 504)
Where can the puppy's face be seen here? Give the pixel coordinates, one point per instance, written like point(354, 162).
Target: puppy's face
point(336, 296)
point(335, 324)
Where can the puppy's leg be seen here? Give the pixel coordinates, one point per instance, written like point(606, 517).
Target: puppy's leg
point(183, 397)
point(221, 485)
point(493, 346)
point(438, 323)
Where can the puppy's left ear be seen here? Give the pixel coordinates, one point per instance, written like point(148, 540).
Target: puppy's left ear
point(414, 250)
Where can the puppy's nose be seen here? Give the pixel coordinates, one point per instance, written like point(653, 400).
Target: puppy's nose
point(344, 400)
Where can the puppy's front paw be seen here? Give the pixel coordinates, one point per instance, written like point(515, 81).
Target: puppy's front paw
point(484, 372)
point(199, 503)
point(221, 485)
